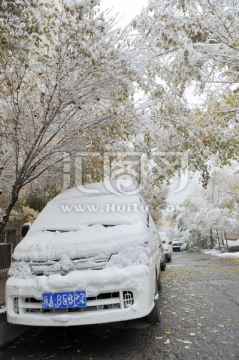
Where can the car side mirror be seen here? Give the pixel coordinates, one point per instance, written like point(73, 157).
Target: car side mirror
point(25, 228)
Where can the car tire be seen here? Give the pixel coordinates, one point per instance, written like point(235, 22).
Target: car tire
point(170, 259)
point(159, 282)
point(163, 266)
point(155, 315)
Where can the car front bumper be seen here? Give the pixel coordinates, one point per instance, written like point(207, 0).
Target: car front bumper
point(109, 298)
point(177, 247)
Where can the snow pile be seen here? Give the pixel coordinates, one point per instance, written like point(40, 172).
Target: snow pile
point(225, 255)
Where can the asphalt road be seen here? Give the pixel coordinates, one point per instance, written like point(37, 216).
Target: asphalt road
point(200, 320)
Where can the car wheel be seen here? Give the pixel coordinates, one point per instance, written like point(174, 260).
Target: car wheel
point(170, 259)
point(163, 266)
point(155, 315)
point(159, 282)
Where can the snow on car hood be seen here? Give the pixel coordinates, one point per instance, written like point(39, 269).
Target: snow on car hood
point(88, 241)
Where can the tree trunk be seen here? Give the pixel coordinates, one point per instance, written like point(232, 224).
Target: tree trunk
point(12, 202)
point(219, 245)
point(225, 236)
point(211, 239)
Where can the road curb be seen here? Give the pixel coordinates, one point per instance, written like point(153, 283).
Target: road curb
point(9, 332)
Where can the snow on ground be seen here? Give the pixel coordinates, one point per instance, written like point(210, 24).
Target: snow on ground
point(216, 252)
point(219, 253)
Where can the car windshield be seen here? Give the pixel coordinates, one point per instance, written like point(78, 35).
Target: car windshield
point(74, 213)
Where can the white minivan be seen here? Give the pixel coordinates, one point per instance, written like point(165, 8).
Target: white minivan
point(167, 245)
point(92, 256)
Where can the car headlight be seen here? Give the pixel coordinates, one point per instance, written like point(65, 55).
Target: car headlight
point(130, 256)
point(20, 269)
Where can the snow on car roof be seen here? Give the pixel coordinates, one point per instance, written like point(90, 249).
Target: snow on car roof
point(122, 187)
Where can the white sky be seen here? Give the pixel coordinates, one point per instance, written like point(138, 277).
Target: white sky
point(127, 9)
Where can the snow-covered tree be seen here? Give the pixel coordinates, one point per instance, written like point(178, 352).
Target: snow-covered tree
point(211, 214)
point(65, 71)
point(70, 81)
point(192, 45)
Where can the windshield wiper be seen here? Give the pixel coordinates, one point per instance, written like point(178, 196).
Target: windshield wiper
point(105, 225)
point(51, 230)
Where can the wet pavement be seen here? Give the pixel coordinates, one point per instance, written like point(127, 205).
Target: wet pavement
point(200, 320)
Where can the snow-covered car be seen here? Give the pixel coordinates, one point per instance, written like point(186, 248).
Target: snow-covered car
point(167, 246)
point(177, 244)
point(90, 257)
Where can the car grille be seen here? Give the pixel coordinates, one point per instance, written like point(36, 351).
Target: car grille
point(102, 302)
point(51, 267)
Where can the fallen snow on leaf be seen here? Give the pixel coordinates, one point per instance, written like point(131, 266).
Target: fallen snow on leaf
point(166, 342)
point(184, 341)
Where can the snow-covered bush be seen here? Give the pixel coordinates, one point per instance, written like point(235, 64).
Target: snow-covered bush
point(211, 214)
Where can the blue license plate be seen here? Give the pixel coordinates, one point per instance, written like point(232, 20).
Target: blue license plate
point(64, 300)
